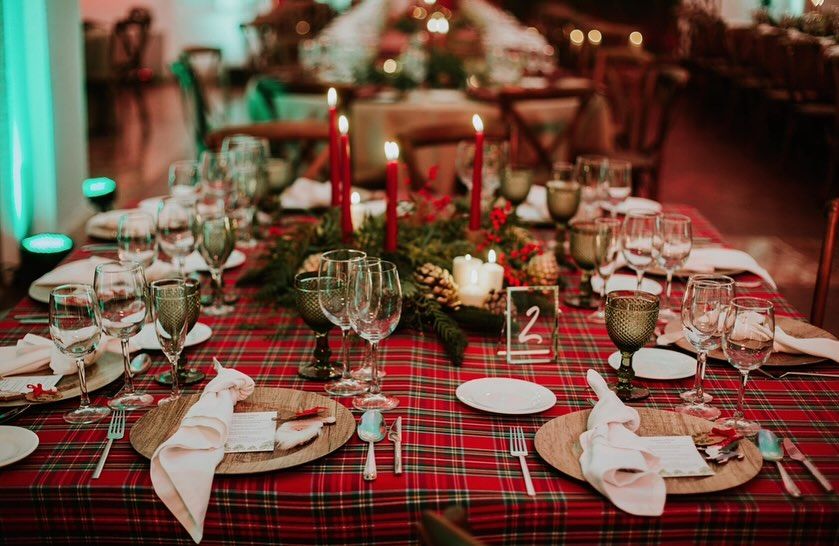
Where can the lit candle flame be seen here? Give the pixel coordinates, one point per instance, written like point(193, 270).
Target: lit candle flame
point(636, 38)
point(477, 123)
point(468, 257)
point(343, 124)
point(355, 198)
point(491, 257)
point(331, 97)
point(391, 151)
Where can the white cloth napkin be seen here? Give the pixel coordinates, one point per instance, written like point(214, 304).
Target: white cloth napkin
point(825, 348)
point(634, 203)
point(535, 207)
point(182, 467)
point(306, 193)
point(35, 353)
point(614, 460)
point(706, 260)
point(79, 271)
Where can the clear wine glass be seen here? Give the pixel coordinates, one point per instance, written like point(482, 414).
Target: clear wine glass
point(184, 180)
point(121, 292)
point(672, 245)
point(76, 328)
point(375, 306)
point(618, 184)
point(176, 230)
point(215, 243)
point(637, 236)
point(137, 238)
point(495, 158)
point(246, 181)
point(170, 312)
point(747, 341)
point(706, 301)
point(592, 172)
point(216, 178)
point(336, 269)
point(607, 248)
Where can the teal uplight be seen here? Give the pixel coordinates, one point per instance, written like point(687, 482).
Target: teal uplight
point(47, 243)
point(98, 187)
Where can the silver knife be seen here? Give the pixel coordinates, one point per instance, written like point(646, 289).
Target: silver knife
point(394, 434)
point(795, 453)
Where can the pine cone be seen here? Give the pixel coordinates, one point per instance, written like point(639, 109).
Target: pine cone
point(542, 270)
point(311, 264)
point(438, 284)
point(496, 302)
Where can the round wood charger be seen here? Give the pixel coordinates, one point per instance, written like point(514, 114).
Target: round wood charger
point(794, 327)
point(558, 443)
point(159, 424)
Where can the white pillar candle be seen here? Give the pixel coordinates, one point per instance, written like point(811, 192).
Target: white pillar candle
point(473, 293)
point(463, 267)
point(491, 273)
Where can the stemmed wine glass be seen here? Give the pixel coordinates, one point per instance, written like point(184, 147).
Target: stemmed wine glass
point(495, 154)
point(583, 233)
point(607, 247)
point(592, 172)
point(672, 245)
point(336, 270)
point(170, 314)
point(706, 301)
point(121, 292)
point(637, 237)
point(76, 328)
point(215, 243)
point(187, 376)
point(631, 317)
point(747, 341)
point(176, 230)
point(137, 238)
point(184, 180)
point(563, 197)
point(216, 179)
point(307, 304)
point(618, 184)
point(375, 306)
point(515, 185)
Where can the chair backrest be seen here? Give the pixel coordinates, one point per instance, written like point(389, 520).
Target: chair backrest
point(661, 90)
point(620, 74)
point(438, 530)
point(806, 69)
point(771, 49)
point(194, 99)
point(129, 40)
point(305, 133)
point(411, 141)
point(511, 100)
point(817, 310)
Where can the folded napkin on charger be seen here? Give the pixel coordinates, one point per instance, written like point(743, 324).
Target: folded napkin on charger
point(182, 467)
point(34, 354)
point(535, 207)
point(614, 460)
point(707, 260)
point(816, 346)
point(84, 271)
point(305, 194)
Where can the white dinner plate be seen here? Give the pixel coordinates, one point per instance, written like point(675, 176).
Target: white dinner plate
point(146, 339)
point(632, 203)
point(150, 204)
point(505, 395)
point(658, 364)
point(104, 224)
point(626, 282)
point(195, 262)
point(16, 443)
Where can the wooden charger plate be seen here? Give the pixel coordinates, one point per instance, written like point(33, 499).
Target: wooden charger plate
point(102, 372)
point(558, 443)
point(159, 424)
point(795, 328)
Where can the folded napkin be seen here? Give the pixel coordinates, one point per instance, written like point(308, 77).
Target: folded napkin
point(707, 260)
point(306, 194)
point(535, 207)
point(83, 272)
point(614, 460)
point(634, 203)
point(823, 347)
point(34, 354)
point(182, 467)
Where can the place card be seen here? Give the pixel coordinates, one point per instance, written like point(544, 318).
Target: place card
point(679, 457)
point(18, 383)
point(250, 432)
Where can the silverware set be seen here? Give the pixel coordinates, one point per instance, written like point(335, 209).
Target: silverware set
point(772, 450)
point(372, 429)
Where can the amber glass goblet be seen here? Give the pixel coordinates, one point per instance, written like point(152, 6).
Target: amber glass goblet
point(630, 321)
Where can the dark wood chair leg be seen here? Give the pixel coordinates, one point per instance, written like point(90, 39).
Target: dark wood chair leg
point(825, 264)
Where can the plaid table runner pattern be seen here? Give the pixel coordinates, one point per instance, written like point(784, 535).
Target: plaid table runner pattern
point(453, 453)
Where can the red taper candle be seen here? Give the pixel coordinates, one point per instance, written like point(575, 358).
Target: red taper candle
point(334, 153)
point(346, 179)
point(392, 189)
point(477, 173)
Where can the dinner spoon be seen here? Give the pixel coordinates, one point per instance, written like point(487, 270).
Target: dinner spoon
point(140, 364)
point(371, 429)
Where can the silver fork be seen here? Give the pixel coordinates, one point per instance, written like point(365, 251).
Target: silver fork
point(116, 430)
point(518, 448)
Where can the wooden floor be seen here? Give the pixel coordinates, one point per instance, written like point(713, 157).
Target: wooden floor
point(772, 213)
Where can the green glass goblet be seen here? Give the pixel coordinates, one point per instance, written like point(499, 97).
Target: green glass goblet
point(515, 185)
point(630, 321)
point(306, 302)
point(583, 236)
point(187, 376)
point(563, 202)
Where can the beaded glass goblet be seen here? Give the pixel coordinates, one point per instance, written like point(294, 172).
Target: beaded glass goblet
point(187, 376)
point(630, 321)
point(306, 302)
point(563, 202)
point(515, 184)
point(583, 236)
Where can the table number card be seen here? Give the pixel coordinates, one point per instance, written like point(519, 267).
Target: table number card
point(251, 432)
point(532, 322)
point(679, 458)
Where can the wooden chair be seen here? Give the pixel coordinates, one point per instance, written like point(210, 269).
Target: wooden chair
point(413, 140)
point(195, 101)
point(522, 132)
point(825, 264)
point(832, 57)
point(306, 133)
point(446, 530)
point(128, 44)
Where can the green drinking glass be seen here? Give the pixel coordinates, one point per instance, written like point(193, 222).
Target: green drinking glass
point(583, 235)
point(515, 185)
point(630, 321)
point(187, 376)
point(307, 304)
point(563, 202)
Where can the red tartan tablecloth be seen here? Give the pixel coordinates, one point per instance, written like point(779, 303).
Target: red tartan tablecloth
point(453, 454)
